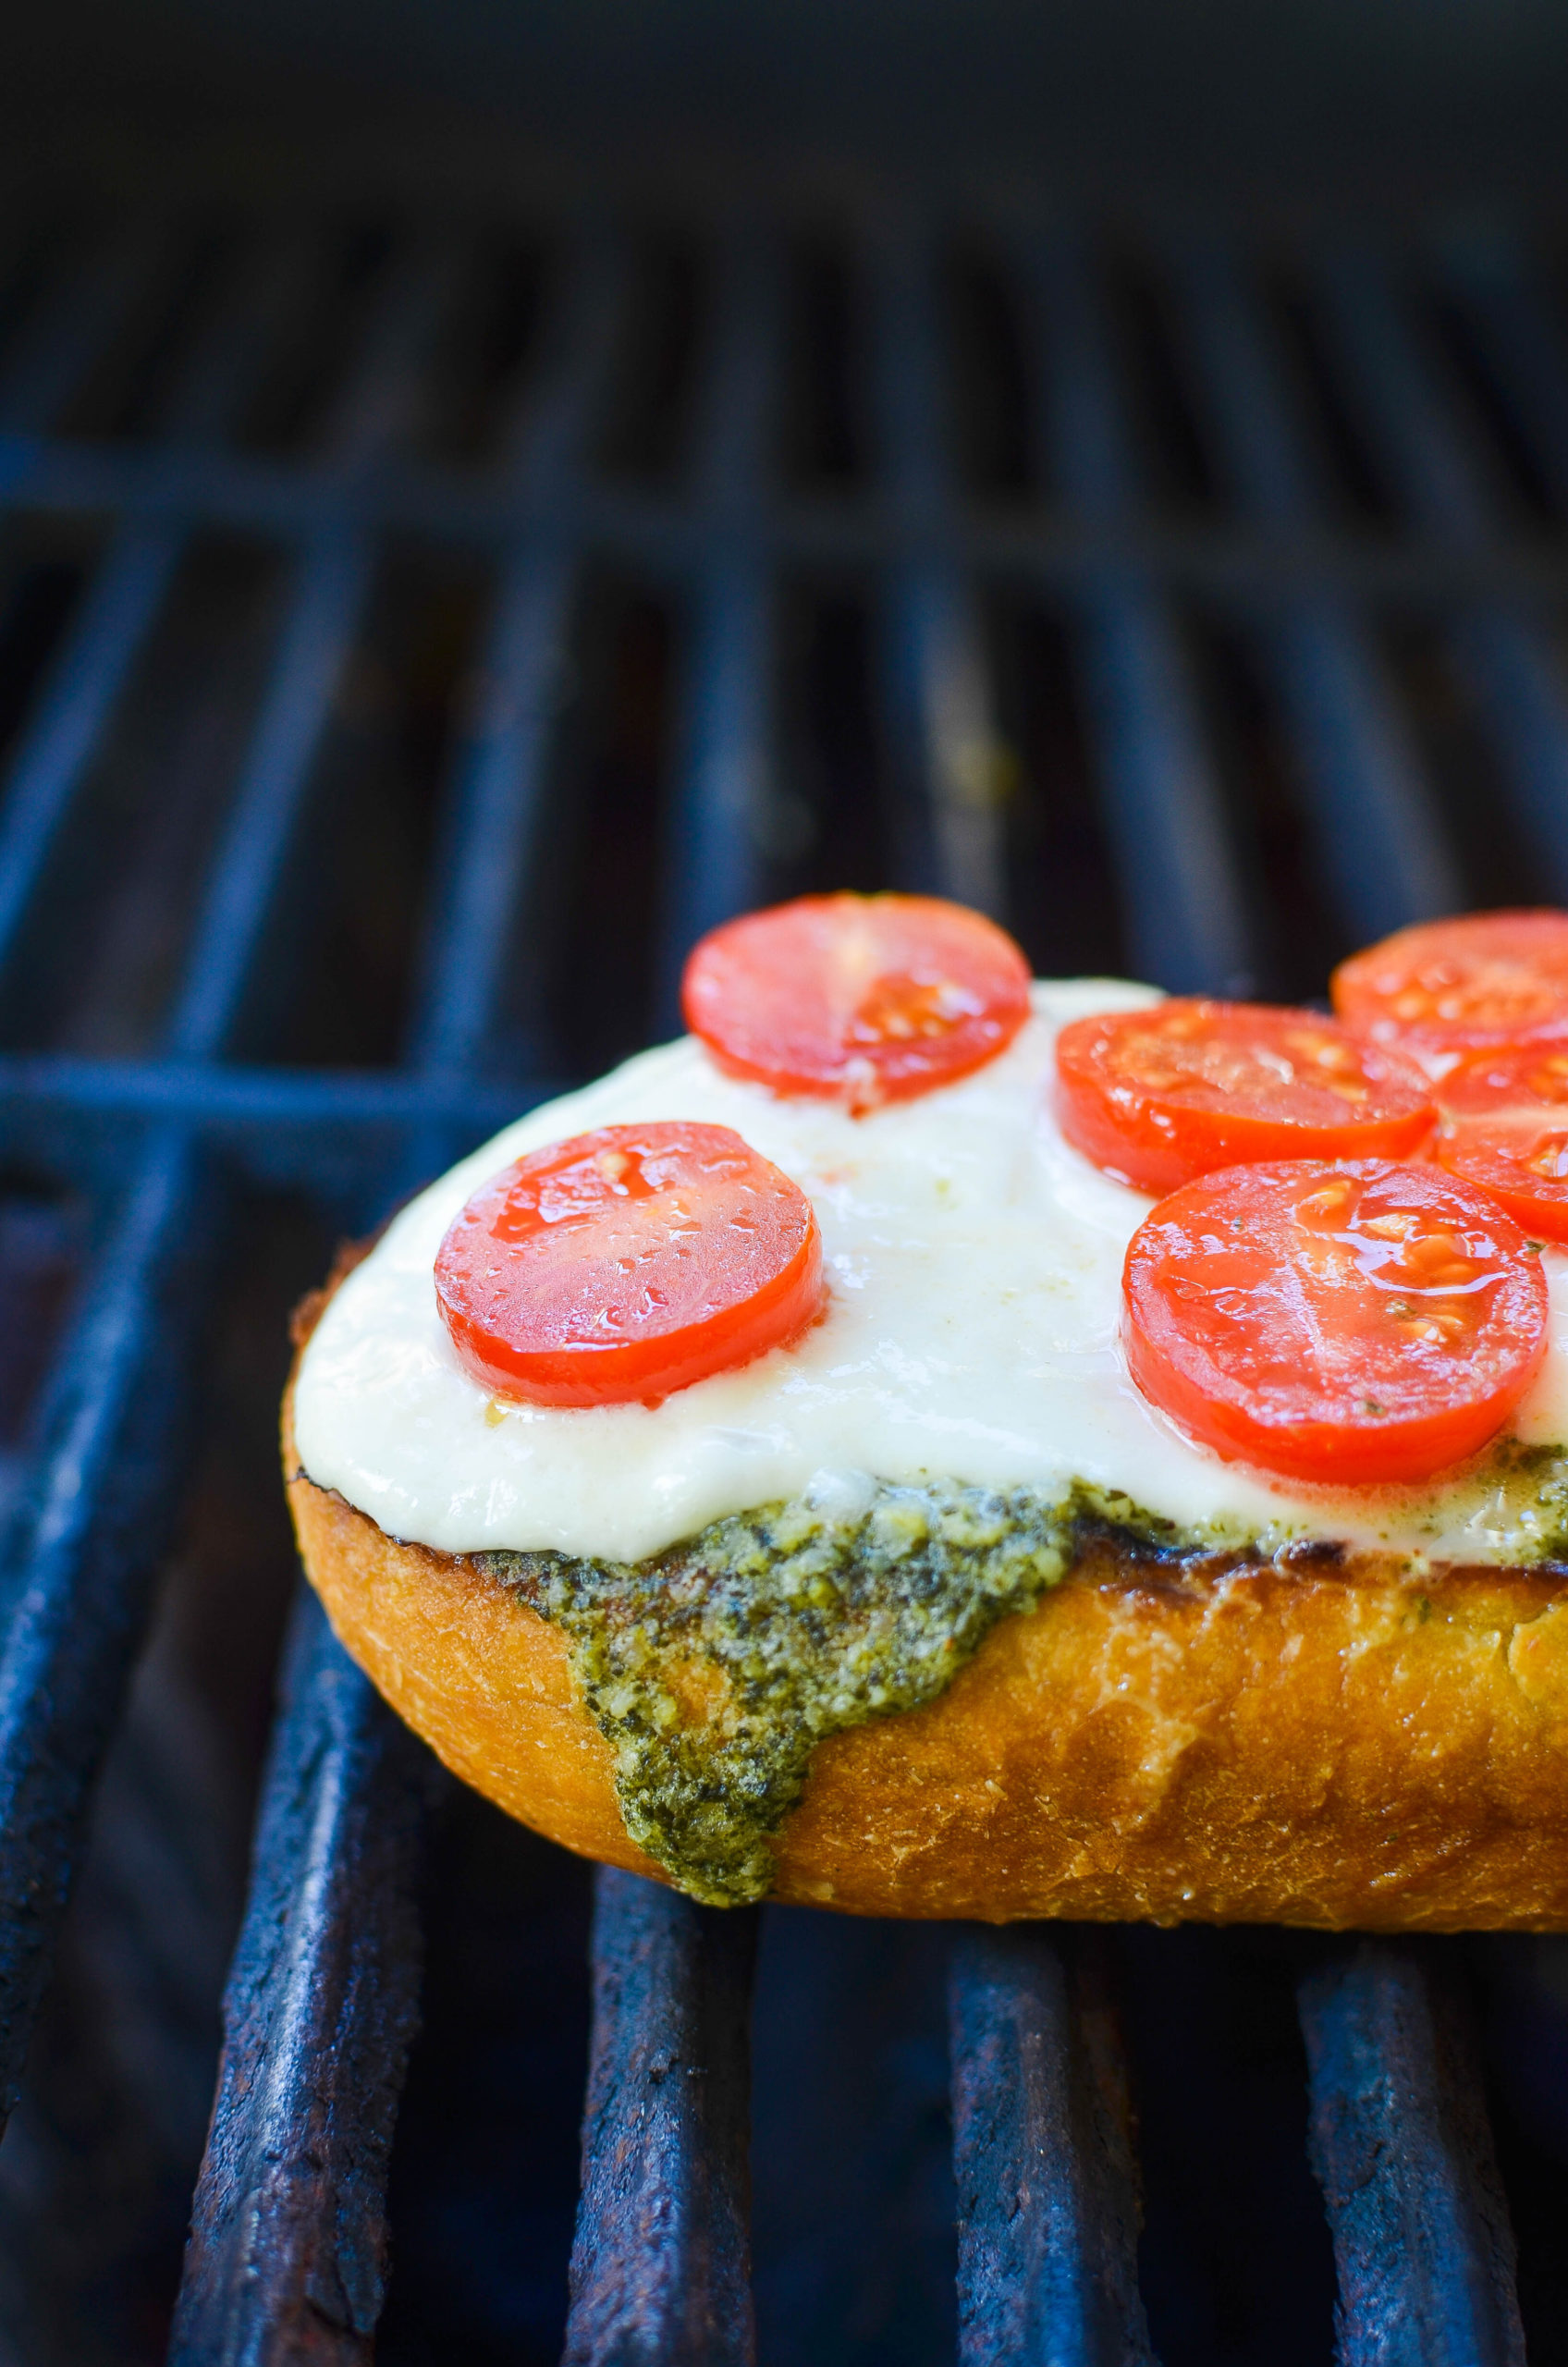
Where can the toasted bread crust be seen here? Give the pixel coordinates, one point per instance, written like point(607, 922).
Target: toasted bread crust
point(1326, 1745)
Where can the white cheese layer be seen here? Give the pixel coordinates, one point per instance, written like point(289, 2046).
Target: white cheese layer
point(975, 1264)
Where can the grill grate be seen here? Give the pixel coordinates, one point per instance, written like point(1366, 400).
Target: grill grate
point(1193, 605)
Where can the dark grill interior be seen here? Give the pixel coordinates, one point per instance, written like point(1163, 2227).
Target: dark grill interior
point(414, 631)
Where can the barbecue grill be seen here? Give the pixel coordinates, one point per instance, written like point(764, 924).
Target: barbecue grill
point(420, 625)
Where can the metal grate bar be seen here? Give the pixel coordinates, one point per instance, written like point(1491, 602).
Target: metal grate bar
point(105, 642)
point(942, 736)
point(85, 1565)
point(377, 406)
point(107, 1490)
point(286, 2259)
point(659, 2270)
point(232, 1102)
point(1435, 472)
point(1488, 278)
point(1042, 2150)
point(323, 1133)
point(289, 2237)
point(315, 644)
point(501, 774)
point(93, 1525)
point(1401, 2145)
point(1379, 837)
point(83, 1574)
point(1185, 909)
point(281, 498)
point(84, 1570)
point(1517, 685)
point(495, 810)
point(715, 840)
point(545, 451)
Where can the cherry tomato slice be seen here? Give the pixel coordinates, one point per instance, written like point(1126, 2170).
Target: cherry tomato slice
point(1162, 1095)
point(1458, 986)
point(1355, 1323)
point(1505, 1127)
point(626, 1263)
point(857, 999)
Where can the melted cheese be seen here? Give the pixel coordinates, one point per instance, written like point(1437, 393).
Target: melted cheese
point(975, 1263)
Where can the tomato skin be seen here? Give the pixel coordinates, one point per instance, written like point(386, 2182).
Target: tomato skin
point(1357, 1323)
point(1505, 1129)
point(1456, 986)
point(1187, 1087)
point(860, 999)
point(620, 1264)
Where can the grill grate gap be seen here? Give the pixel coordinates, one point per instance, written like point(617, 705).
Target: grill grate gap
point(601, 851)
point(824, 442)
point(853, 2242)
point(1459, 763)
point(1500, 437)
point(829, 794)
point(123, 393)
point(100, 2159)
point(294, 395)
point(1298, 936)
point(1355, 486)
point(45, 573)
point(1176, 470)
point(111, 920)
point(43, 1231)
point(37, 259)
point(1523, 1985)
point(485, 2164)
point(1232, 2218)
point(649, 415)
point(355, 917)
point(992, 402)
point(481, 362)
point(1062, 902)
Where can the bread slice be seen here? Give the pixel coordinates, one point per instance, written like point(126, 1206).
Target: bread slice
point(1320, 1740)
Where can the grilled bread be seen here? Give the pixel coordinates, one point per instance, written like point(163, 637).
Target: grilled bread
point(1317, 1740)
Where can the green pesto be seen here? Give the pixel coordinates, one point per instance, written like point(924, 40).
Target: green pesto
point(1520, 1495)
point(715, 1669)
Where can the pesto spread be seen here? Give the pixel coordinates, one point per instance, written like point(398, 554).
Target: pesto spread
point(715, 1669)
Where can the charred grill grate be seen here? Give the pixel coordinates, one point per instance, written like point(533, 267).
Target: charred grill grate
point(412, 640)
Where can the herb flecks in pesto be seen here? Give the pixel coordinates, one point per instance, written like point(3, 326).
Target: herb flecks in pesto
point(715, 1668)
point(1514, 1502)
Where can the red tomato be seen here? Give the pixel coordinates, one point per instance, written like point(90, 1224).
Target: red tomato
point(1459, 986)
point(626, 1263)
point(1505, 1127)
point(1355, 1323)
point(857, 999)
point(1162, 1095)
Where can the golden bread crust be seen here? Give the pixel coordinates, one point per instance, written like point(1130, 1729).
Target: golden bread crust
point(1334, 1746)
point(1329, 1747)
